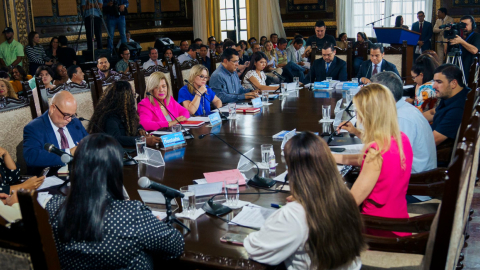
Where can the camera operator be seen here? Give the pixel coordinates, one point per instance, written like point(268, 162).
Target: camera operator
point(469, 46)
point(115, 11)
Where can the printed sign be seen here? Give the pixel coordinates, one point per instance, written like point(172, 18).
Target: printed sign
point(257, 102)
point(173, 139)
point(215, 119)
point(321, 85)
point(348, 86)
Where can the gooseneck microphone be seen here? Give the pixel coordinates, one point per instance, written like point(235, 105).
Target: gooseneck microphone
point(256, 181)
point(65, 157)
point(188, 134)
point(278, 75)
point(144, 182)
point(347, 109)
point(211, 101)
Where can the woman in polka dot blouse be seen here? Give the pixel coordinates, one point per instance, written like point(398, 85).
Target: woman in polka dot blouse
point(95, 227)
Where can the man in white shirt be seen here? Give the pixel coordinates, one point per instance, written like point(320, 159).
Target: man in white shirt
point(443, 18)
point(153, 61)
point(75, 75)
point(191, 54)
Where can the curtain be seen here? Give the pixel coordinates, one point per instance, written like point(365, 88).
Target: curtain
point(200, 17)
point(252, 19)
point(428, 11)
point(213, 19)
point(271, 20)
point(345, 10)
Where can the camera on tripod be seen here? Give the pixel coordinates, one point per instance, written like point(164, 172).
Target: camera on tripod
point(454, 29)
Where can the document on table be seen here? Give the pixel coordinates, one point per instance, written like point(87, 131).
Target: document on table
point(252, 216)
point(206, 189)
point(50, 182)
point(43, 197)
point(351, 149)
point(199, 118)
point(165, 132)
point(150, 196)
point(281, 177)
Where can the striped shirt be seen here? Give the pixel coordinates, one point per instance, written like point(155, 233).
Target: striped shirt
point(36, 54)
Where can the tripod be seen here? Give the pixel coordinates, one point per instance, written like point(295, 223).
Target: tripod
point(170, 218)
point(455, 57)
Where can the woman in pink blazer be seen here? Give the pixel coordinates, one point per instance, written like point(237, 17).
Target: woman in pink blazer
point(153, 115)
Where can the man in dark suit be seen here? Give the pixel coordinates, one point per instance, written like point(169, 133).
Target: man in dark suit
point(58, 126)
point(426, 30)
point(328, 66)
point(375, 65)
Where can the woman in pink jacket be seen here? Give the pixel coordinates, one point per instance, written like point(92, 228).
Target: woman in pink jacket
point(153, 115)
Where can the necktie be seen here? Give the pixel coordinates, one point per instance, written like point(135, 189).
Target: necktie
point(375, 70)
point(63, 139)
point(328, 66)
point(421, 27)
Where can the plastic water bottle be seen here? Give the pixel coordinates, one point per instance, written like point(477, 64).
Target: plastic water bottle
point(271, 161)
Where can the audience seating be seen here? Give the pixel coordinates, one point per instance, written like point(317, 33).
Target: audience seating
point(183, 72)
point(20, 112)
point(474, 72)
point(214, 63)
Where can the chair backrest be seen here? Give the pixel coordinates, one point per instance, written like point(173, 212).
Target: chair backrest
point(398, 57)
point(183, 72)
point(143, 76)
point(347, 56)
point(14, 116)
point(214, 63)
point(316, 52)
point(474, 72)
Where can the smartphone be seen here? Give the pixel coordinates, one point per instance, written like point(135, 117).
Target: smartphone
point(233, 238)
point(337, 150)
point(44, 172)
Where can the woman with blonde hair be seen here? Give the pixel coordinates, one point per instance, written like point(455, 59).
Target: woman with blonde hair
point(386, 162)
point(321, 228)
point(6, 89)
point(198, 102)
point(153, 115)
point(271, 62)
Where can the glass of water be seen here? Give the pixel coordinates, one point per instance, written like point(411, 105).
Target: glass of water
point(231, 190)
point(284, 88)
point(354, 80)
point(266, 153)
point(176, 128)
point(265, 97)
point(329, 79)
point(188, 202)
point(326, 112)
point(296, 80)
point(232, 110)
point(141, 145)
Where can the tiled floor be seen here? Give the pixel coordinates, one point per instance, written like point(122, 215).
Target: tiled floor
point(472, 251)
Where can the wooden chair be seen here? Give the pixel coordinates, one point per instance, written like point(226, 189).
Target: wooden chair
point(347, 56)
point(143, 75)
point(183, 72)
point(316, 53)
point(398, 57)
point(15, 114)
point(214, 63)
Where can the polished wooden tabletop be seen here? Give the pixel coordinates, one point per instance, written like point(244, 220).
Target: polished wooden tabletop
point(203, 249)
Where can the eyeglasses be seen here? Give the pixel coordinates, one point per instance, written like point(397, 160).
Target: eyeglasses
point(204, 77)
point(235, 62)
point(65, 116)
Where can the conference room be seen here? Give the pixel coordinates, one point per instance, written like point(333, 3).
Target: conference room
point(239, 134)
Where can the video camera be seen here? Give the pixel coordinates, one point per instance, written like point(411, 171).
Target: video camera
point(454, 29)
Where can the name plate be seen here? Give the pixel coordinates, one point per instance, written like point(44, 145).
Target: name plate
point(321, 85)
point(173, 139)
point(348, 86)
point(215, 119)
point(287, 137)
point(257, 103)
point(206, 189)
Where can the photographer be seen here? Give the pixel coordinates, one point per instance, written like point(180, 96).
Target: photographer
point(115, 11)
point(93, 22)
point(469, 46)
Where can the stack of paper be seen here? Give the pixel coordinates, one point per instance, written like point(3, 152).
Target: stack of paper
point(252, 216)
point(50, 182)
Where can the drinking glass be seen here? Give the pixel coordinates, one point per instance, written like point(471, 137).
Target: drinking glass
point(326, 111)
point(327, 128)
point(141, 145)
point(232, 110)
point(265, 97)
point(188, 201)
point(266, 153)
point(296, 80)
point(354, 80)
point(231, 190)
point(176, 128)
point(329, 79)
point(284, 88)
point(348, 98)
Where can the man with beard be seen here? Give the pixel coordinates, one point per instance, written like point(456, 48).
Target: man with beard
point(11, 51)
point(104, 67)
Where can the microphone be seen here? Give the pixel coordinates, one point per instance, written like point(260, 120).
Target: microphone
point(169, 192)
point(278, 75)
point(188, 134)
point(65, 157)
point(256, 181)
point(347, 109)
point(211, 101)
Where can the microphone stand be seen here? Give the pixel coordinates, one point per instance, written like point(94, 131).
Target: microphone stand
point(211, 101)
point(188, 134)
point(282, 79)
point(373, 23)
point(170, 218)
point(126, 161)
point(256, 181)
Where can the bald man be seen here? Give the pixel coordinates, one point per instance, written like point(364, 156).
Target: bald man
point(58, 126)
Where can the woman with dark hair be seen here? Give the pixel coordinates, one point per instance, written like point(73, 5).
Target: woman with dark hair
point(263, 39)
point(67, 55)
point(399, 22)
point(254, 75)
point(94, 227)
point(45, 73)
point(321, 228)
point(169, 54)
point(362, 41)
point(18, 76)
point(422, 73)
point(342, 41)
point(115, 114)
point(52, 49)
point(36, 53)
point(61, 75)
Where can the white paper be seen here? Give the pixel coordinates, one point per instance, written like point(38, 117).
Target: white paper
point(163, 132)
point(200, 181)
point(50, 182)
point(151, 196)
point(199, 118)
point(197, 214)
point(206, 189)
point(43, 197)
point(263, 166)
point(159, 214)
point(422, 198)
point(281, 177)
point(351, 149)
point(292, 86)
point(243, 163)
point(340, 167)
point(405, 87)
point(252, 216)
point(239, 204)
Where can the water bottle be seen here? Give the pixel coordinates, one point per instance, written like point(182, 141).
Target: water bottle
point(271, 161)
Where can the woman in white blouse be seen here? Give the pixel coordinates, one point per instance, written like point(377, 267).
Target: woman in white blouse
point(253, 76)
point(321, 228)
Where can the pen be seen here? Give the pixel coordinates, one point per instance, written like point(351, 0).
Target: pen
point(274, 205)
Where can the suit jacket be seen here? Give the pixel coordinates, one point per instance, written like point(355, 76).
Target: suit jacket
point(39, 132)
point(291, 54)
point(427, 33)
point(366, 68)
point(440, 22)
point(337, 70)
point(152, 117)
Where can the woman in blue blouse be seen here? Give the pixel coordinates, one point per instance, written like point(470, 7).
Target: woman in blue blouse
point(196, 103)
